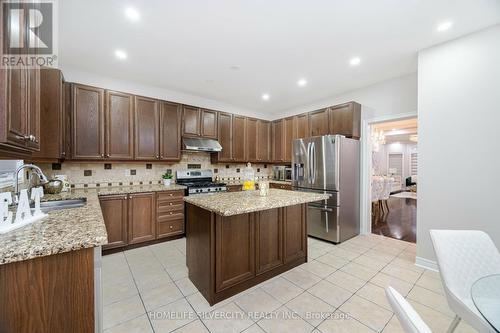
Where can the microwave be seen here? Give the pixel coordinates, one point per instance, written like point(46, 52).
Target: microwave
point(282, 173)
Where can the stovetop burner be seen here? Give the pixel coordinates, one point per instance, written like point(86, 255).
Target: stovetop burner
point(199, 181)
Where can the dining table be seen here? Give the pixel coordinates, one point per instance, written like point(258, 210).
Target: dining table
point(485, 293)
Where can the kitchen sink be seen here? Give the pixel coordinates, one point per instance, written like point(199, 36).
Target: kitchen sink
point(48, 206)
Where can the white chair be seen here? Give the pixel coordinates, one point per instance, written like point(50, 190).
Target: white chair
point(386, 192)
point(407, 316)
point(377, 189)
point(463, 257)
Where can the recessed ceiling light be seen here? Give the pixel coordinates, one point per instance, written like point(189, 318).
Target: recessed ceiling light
point(132, 14)
point(302, 82)
point(355, 61)
point(393, 129)
point(265, 97)
point(444, 26)
point(120, 54)
point(235, 67)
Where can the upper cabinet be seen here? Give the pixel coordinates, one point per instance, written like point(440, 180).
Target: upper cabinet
point(318, 122)
point(147, 124)
point(302, 123)
point(170, 131)
point(289, 134)
point(199, 122)
point(251, 140)
point(119, 120)
point(345, 119)
point(277, 139)
point(225, 138)
point(239, 139)
point(263, 141)
point(87, 122)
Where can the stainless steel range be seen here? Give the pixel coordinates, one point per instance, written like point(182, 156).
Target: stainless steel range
point(199, 182)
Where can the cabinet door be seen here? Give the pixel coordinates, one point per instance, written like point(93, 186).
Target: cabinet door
point(264, 141)
point(278, 141)
point(251, 139)
point(302, 126)
point(141, 218)
point(191, 121)
point(288, 136)
point(88, 122)
point(146, 129)
point(119, 125)
point(209, 124)
point(34, 109)
point(234, 250)
point(16, 111)
point(114, 211)
point(170, 131)
point(268, 240)
point(295, 233)
point(239, 137)
point(345, 119)
point(318, 120)
point(225, 131)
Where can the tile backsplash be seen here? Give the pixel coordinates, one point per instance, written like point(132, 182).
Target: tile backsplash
point(126, 173)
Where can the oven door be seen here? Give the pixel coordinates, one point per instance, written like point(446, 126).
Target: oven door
point(323, 222)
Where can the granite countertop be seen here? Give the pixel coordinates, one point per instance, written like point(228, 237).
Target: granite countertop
point(234, 203)
point(67, 229)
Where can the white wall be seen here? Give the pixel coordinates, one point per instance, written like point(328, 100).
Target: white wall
point(394, 96)
point(75, 75)
point(459, 141)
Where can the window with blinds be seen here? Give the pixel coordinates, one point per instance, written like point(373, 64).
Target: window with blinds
point(395, 166)
point(413, 163)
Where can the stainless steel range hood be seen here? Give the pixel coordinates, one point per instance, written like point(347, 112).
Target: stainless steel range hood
point(201, 144)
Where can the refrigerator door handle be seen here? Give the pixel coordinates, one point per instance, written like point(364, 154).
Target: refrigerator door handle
point(313, 162)
point(309, 162)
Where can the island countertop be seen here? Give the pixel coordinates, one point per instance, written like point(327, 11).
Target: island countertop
point(235, 203)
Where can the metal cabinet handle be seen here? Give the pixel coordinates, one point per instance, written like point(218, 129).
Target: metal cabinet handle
point(171, 227)
point(170, 204)
point(107, 155)
point(102, 155)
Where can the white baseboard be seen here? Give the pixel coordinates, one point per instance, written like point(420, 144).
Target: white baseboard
point(427, 264)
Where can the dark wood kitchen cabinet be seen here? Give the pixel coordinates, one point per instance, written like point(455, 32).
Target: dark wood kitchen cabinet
point(264, 141)
point(147, 124)
point(277, 139)
point(170, 131)
point(115, 213)
point(199, 122)
point(119, 126)
point(268, 239)
point(87, 123)
point(169, 214)
point(141, 217)
point(55, 113)
point(239, 139)
point(295, 233)
point(302, 121)
point(318, 122)
point(289, 134)
point(225, 138)
point(251, 140)
point(345, 119)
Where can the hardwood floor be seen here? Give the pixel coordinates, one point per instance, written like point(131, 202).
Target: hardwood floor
point(400, 222)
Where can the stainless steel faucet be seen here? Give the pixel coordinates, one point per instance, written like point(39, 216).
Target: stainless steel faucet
point(37, 170)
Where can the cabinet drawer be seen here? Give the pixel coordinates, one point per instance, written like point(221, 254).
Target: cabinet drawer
point(170, 195)
point(169, 216)
point(169, 206)
point(170, 228)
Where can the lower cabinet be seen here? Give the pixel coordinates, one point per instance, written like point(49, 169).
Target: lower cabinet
point(141, 217)
point(281, 186)
point(268, 239)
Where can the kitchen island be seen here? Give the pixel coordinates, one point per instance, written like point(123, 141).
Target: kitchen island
point(237, 240)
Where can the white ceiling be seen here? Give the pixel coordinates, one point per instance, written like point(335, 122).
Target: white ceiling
point(190, 46)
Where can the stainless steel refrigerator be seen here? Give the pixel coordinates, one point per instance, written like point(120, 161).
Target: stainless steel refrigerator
point(329, 164)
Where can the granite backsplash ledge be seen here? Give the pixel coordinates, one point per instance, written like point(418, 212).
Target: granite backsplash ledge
point(98, 174)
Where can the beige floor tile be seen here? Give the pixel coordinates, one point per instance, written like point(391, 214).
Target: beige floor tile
point(281, 289)
point(342, 323)
point(151, 278)
point(172, 316)
point(138, 325)
point(381, 256)
point(318, 268)
point(332, 260)
point(113, 291)
point(383, 280)
point(353, 248)
point(437, 321)
point(346, 281)
point(257, 301)
point(392, 250)
point(301, 278)
point(407, 255)
point(284, 320)
point(407, 264)
point(193, 327)
point(254, 329)
point(156, 297)
point(374, 294)
point(330, 293)
point(342, 253)
point(323, 245)
point(310, 308)
point(370, 262)
point(432, 274)
point(401, 273)
point(393, 326)
point(359, 271)
point(430, 299)
point(200, 304)
point(173, 260)
point(430, 283)
point(124, 310)
point(368, 313)
point(313, 253)
point(177, 272)
point(229, 318)
point(186, 286)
